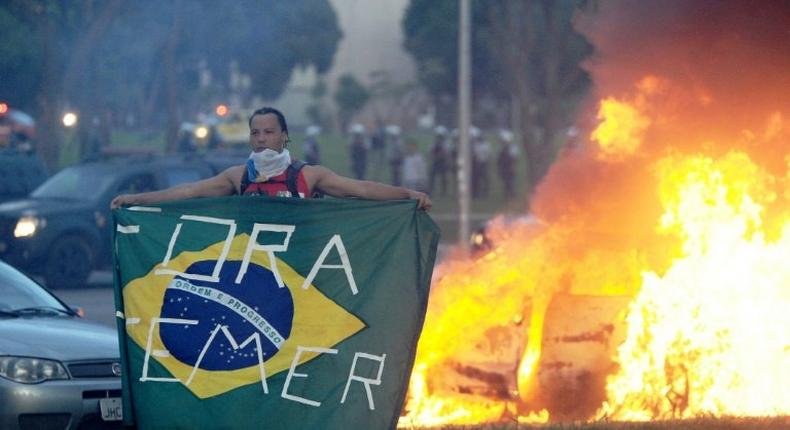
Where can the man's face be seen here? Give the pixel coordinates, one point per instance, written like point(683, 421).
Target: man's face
point(265, 133)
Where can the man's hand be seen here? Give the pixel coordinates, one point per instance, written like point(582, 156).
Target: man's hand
point(122, 200)
point(423, 201)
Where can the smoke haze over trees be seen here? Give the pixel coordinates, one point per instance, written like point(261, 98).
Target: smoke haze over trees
point(111, 60)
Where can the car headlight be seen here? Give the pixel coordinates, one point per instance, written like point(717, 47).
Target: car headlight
point(201, 132)
point(27, 226)
point(28, 370)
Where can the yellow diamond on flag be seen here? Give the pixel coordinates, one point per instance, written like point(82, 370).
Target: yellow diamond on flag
point(213, 332)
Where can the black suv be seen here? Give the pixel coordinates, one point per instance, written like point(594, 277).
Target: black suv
point(63, 229)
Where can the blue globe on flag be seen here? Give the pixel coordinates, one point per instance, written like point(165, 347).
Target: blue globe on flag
point(255, 305)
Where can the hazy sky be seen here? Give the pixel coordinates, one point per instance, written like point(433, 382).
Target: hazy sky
point(372, 40)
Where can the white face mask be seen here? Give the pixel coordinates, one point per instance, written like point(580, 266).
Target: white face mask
point(268, 163)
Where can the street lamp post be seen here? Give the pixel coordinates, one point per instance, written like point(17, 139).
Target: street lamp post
point(464, 93)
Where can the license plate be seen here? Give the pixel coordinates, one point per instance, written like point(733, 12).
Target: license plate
point(111, 409)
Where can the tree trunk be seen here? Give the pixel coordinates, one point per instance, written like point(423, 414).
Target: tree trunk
point(79, 59)
point(64, 76)
point(148, 108)
point(515, 38)
point(171, 80)
point(49, 133)
point(551, 110)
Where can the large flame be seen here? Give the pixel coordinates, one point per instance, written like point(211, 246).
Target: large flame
point(711, 335)
point(652, 279)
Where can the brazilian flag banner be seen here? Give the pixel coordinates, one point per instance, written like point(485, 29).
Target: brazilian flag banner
point(270, 313)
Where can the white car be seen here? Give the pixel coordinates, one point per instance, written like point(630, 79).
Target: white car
point(57, 370)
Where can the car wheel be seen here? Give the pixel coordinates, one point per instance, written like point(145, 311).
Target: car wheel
point(69, 263)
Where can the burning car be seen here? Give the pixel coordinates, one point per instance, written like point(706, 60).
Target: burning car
point(521, 321)
point(657, 285)
point(622, 303)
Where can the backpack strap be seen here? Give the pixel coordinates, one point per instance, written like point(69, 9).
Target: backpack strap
point(245, 182)
point(292, 174)
point(291, 177)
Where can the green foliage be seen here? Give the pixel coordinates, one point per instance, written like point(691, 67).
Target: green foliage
point(125, 66)
point(268, 39)
point(18, 58)
point(350, 97)
point(431, 32)
point(112, 59)
point(523, 51)
point(316, 110)
point(319, 90)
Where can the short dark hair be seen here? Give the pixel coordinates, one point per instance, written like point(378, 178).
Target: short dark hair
point(275, 112)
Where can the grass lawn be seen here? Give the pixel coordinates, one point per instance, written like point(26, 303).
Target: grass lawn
point(335, 155)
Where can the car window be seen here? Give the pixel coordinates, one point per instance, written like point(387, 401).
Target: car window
point(17, 291)
point(76, 183)
point(177, 176)
point(138, 184)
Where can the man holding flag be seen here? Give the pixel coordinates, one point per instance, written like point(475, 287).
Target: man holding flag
point(250, 313)
point(266, 172)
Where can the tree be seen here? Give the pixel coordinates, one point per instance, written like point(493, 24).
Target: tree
point(317, 111)
point(112, 59)
point(431, 37)
point(63, 37)
point(16, 55)
point(524, 54)
point(390, 101)
point(542, 54)
point(350, 97)
point(265, 39)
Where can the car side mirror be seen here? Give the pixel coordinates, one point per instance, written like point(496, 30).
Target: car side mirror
point(79, 310)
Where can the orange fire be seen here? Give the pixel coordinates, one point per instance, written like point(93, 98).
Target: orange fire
point(710, 335)
point(653, 281)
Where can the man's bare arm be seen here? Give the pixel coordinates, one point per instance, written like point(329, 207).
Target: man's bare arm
point(220, 185)
point(338, 186)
